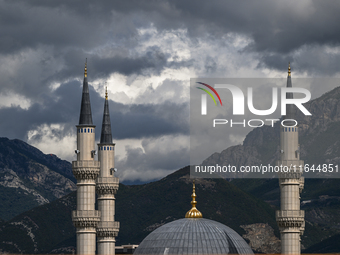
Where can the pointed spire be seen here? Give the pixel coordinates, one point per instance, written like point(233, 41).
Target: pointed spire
point(85, 110)
point(106, 136)
point(193, 212)
point(289, 82)
point(85, 69)
point(289, 108)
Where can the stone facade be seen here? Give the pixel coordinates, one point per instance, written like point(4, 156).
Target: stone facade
point(290, 218)
point(94, 176)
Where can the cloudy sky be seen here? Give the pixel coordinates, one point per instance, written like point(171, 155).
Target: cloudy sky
point(146, 52)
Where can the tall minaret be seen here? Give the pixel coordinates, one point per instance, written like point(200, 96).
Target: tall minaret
point(86, 170)
point(107, 186)
point(290, 218)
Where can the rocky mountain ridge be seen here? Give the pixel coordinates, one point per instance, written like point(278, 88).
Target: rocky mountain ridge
point(29, 178)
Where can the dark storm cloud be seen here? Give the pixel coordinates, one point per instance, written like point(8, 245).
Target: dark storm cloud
point(138, 121)
point(315, 60)
point(102, 67)
point(25, 27)
point(54, 111)
point(44, 43)
point(277, 28)
point(63, 107)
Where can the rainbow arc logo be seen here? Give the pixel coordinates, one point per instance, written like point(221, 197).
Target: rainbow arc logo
point(208, 92)
point(204, 97)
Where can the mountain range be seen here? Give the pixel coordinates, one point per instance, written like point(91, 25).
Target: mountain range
point(37, 192)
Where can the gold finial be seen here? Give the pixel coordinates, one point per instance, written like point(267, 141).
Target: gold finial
point(193, 212)
point(106, 97)
point(85, 70)
point(289, 69)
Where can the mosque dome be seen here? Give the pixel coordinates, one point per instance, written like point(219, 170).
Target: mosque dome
point(193, 235)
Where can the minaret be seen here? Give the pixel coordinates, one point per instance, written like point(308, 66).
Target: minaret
point(106, 188)
point(290, 218)
point(86, 170)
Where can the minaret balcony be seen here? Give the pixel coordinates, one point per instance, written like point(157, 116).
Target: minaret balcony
point(107, 185)
point(85, 169)
point(85, 218)
point(108, 228)
point(290, 218)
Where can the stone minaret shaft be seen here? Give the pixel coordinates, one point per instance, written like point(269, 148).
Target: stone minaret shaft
point(290, 218)
point(106, 188)
point(86, 171)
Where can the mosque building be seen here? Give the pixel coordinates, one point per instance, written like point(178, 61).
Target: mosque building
point(190, 235)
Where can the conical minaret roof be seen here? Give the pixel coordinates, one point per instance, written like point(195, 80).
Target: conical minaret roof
point(106, 136)
point(85, 110)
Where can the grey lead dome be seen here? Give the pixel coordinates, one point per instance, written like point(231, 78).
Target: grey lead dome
point(193, 236)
